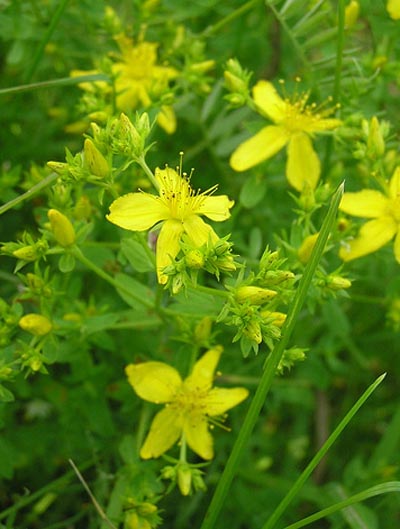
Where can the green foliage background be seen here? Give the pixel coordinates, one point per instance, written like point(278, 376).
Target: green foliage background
point(83, 408)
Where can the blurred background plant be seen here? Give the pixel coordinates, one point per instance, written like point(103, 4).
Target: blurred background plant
point(80, 298)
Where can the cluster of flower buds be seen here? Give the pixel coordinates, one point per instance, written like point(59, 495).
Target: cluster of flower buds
point(140, 514)
point(237, 83)
point(213, 257)
point(188, 477)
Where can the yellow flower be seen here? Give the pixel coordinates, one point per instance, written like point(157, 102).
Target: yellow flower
point(139, 78)
point(393, 8)
point(384, 209)
point(295, 123)
point(188, 403)
point(178, 207)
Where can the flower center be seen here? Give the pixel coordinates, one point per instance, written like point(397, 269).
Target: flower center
point(298, 116)
point(181, 200)
point(190, 401)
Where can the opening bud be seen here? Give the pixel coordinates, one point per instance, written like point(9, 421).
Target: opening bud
point(61, 228)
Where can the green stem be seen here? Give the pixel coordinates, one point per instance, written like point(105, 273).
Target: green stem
point(37, 187)
point(46, 37)
point(63, 81)
point(338, 74)
point(142, 162)
point(258, 401)
point(229, 18)
point(294, 42)
point(76, 252)
point(213, 291)
point(319, 455)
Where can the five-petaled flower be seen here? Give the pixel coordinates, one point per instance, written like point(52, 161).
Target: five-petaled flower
point(295, 123)
point(178, 207)
point(139, 80)
point(384, 209)
point(190, 404)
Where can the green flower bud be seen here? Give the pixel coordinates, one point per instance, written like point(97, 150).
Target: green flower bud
point(375, 142)
point(184, 479)
point(276, 318)
point(254, 295)
point(337, 282)
point(194, 259)
point(61, 227)
point(26, 253)
point(253, 331)
point(94, 160)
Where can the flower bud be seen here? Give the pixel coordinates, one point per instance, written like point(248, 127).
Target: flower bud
point(61, 168)
point(254, 295)
point(351, 13)
point(35, 324)
point(393, 9)
point(202, 67)
point(306, 248)
point(184, 479)
point(194, 259)
point(26, 253)
point(94, 160)
point(61, 227)
point(375, 142)
point(337, 282)
point(253, 331)
point(202, 331)
point(276, 318)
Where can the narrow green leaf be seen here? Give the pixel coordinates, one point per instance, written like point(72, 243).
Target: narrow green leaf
point(383, 488)
point(319, 455)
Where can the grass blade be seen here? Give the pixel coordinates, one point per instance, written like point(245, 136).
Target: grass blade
point(320, 454)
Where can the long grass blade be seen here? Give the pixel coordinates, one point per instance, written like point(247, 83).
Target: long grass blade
point(319, 455)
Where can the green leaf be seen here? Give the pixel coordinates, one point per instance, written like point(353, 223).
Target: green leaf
point(66, 263)
point(139, 291)
point(253, 191)
point(138, 257)
point(5, 394)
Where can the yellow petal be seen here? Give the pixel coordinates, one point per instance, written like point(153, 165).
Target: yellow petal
point(267, 142)
point(198, 436)
point(167, 246)
point(394, 186)
point(368, 204)
point(165, 431)
point(219, 400)
point(373, 235)
point(137, 211)
point(198, 231)
point(154, 381)
point(216, 208)
point(268, 101)
point(393, 8)
point(202, 374)
point(303, 166)
point(167, 119)
point(397, 247)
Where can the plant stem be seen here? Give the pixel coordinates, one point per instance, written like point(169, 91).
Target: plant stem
point(142, 162)
point(76, 252)
point(63, 81)
point(229, 18)
point(37, 187)
point(258, 401)
point(338, 75)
